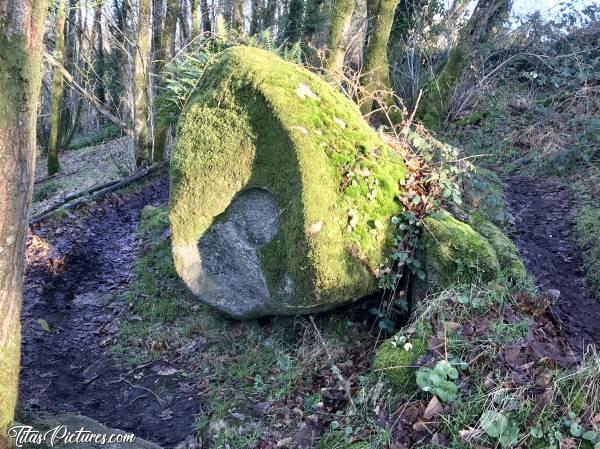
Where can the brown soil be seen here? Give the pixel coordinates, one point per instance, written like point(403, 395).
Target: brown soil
point(544, 234)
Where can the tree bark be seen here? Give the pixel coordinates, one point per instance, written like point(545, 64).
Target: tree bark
point(206, 28)
point(293, 26)
point(99, 60)
point(268, 18)
point(237, 16)
point(195, 18)
point(376, 69)
point(21, 33)
point(437, 99)
point(336, 44)
point(142, 84)
point(162, 128)
point(57, 95)
point(256, 16)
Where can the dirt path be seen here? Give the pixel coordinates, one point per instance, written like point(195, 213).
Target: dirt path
point(545, 237)
point(77, 272)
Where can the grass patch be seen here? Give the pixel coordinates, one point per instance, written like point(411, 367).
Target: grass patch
point(95, 137)
point(46, 191)
point(588, 236)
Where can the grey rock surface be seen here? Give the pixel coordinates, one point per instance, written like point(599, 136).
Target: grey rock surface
point(233, 281)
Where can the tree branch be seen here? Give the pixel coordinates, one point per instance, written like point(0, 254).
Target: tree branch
point(88, 96)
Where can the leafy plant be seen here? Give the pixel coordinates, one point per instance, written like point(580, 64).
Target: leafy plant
point(439, 380)
point(499, 427)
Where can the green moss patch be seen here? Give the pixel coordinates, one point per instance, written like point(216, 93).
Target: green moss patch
point(397, 364)
point(260, 122)
point(454, 251)
point(506, 251)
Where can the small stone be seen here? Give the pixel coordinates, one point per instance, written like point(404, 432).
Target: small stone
point(553, 294)
point(434, 408)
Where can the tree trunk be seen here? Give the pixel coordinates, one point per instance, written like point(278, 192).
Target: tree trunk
point(57, 95)
point(376, 69)
point(21, 33)
point(256, 15)
point(437, 99)
point(162, 127)
point(158, 7)
point(99, 60)
point(195, 19)
point(237, 16)
point(336, 44)
point(293, 26)
point(268, 19)
point(205, 17)
point(183, 26)
point(142, 84)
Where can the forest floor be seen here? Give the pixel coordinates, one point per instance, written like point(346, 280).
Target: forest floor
point(110, 332)
point(81, 169)
point(545, 236)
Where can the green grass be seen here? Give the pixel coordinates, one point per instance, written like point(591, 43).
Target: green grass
point(505, 333)
point(588, 236)
point(45, 191)
point(95, 137)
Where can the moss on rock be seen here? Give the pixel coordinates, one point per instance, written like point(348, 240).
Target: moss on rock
point(260, 122)
point(454, 251)
point(506, 251)
point(484, 195)
point(397, 364)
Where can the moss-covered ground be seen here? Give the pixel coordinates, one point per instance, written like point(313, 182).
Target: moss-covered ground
point(266, 381)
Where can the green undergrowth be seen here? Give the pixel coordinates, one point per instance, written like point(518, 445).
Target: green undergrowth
point(95, 137)
point(588, 233)
point(235, 364)
point(470, 363)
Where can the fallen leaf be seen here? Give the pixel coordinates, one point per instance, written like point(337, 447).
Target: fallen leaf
point(315, 228)
point(44, 325)
point(165, 370)
point(434, 408)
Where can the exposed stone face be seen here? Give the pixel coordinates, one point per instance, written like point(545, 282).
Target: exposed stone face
point(233, 280)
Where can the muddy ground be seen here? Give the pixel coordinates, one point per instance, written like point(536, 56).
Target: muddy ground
point(76, 275)
point(544, 234)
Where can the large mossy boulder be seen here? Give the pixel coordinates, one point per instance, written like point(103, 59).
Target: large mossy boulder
point(281, 194)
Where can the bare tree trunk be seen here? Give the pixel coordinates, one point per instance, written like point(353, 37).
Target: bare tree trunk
point(206, 28)
point(436, 102)
point(256, 16)
point(376, 68)
point(184, 26)
point(268, 19)
point(57, 95)
point(142, 84)
point(336, 44)
point(237, 17)
point(162, 128)
point(99, 60)
point(21, 33)
point(195, 18)
point(158, 7)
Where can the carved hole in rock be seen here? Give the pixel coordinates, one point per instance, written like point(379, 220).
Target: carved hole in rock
point(232, 278)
